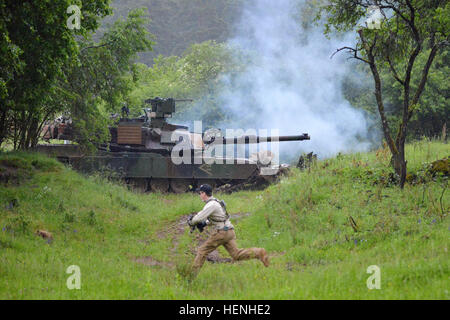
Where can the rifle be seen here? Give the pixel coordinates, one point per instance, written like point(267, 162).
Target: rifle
point(200, 226)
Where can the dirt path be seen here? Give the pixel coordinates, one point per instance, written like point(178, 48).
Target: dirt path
point(176, 230)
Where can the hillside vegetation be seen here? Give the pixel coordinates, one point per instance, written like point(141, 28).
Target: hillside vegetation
point(177, 24)
point(323, 228)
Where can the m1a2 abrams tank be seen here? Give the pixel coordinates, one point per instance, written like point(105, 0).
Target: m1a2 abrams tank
point(154, 155)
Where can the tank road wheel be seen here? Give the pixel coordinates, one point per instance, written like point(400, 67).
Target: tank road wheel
point(138, 184)
point(161, 185)
point(180, 185)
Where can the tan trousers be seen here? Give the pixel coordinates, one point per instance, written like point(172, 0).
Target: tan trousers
point(228, 240)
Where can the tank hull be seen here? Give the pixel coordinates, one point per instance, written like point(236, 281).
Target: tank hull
point(146, 166)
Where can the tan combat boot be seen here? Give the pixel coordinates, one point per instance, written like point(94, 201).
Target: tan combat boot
point(264, 257)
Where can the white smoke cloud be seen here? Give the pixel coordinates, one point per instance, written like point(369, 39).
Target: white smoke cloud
point(292, 84)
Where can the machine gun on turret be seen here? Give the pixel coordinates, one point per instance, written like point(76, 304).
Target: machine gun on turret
point(162, 108)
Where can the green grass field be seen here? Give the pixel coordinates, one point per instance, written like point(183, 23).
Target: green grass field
point(305, 222)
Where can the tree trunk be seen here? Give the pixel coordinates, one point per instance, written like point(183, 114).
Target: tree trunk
point(399, 163)
point(3, 126)
point(444, 132)
point(31, 132)
point(34, 133)
point(22, 126)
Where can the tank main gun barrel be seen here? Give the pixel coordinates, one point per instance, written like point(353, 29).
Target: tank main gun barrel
point(184, 100)
point(257, 139)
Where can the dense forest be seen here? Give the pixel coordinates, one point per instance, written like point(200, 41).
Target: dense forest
point(177, 24)
point(128, 51)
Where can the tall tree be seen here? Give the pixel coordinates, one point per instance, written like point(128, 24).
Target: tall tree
point(99, 80)
point(35, 43)
point(404, 30)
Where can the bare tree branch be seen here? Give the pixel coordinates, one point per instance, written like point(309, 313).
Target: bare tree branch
point(410, 22)
point(394, 72)
point(424, 77)
point(378, 92)
point(351, 50)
